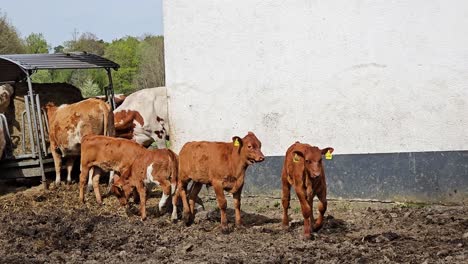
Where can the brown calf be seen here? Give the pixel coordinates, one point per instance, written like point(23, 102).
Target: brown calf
point(221, 165)
point(303, 169)
point(136, 166)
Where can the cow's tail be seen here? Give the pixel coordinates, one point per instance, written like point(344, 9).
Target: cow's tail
point(109, 128)
point(174, 170)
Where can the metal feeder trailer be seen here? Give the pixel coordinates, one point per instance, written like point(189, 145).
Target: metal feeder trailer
point(20, 67)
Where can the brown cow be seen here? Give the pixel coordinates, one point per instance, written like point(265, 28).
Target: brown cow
point(136, 166)
point(304, 170)
point(69, 123)
point(221, 165)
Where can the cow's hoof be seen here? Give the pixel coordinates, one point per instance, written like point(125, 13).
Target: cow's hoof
point(162, 211)
point(285, 227)
point(306, 237)
point(317, 228)
point(188, 219)
point(225, 230)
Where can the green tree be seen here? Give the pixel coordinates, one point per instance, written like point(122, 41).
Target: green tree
point(42, 76)
point(83, 79)
point(89, 88)
point(59, 49)
point(150, 72)
point(124, 52)
point(10, 42)
point(36, 43)
point(86, 42)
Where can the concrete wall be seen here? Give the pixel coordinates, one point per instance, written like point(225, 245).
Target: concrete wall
point(360, 76)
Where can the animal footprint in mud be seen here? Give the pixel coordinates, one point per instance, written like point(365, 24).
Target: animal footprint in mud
point(40, 198)
point(240, 228)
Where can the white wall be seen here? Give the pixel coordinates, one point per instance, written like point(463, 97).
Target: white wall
point(360, 76)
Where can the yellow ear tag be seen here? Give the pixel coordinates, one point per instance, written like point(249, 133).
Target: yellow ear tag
point(295, 158)
point(168, 144)
point(328, 155)
point(236, 143)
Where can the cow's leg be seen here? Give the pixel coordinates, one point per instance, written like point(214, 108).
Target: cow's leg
point(198, 200)
point(196, 187)
point(182, 193)
point(166, 190)
point(222, 204)
point(305, 208)
point(69, 165)
point(174, 203)
point(111, 179)
point(310, 200)
point(322, 207)
point(237, 205)
point(90, 180)
point(142, 193)
point(285, 199)
point(85, 170)
point(58, 164)
point(96, 176)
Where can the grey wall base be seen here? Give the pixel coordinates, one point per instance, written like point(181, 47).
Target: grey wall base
point(440, 177)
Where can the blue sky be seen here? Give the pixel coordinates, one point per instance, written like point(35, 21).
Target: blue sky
point(107, 19)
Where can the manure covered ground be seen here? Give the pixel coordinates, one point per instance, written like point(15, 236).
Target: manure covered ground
point(51, 226)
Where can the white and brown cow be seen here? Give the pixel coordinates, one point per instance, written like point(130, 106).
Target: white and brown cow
point(68, 124)
point(141, 117)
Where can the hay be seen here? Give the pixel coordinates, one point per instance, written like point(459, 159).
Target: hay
point(58, 93)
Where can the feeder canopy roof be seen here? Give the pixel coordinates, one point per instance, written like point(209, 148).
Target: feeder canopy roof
point(15, 67)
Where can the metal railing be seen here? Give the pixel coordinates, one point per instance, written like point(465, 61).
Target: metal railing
point(43, 129)
point(6, 133)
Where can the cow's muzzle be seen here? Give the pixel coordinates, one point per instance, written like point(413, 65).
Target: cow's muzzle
point(313, 176)
point(255, 160)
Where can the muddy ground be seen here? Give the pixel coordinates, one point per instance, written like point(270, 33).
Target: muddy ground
point(53, 227)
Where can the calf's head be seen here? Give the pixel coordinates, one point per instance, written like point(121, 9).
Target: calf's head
point(311, 158)
point(121, 190)
point(249, 148)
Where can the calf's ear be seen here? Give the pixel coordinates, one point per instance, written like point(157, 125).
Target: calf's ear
point(237, 141)
point(325, 150)
point(297, 156)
